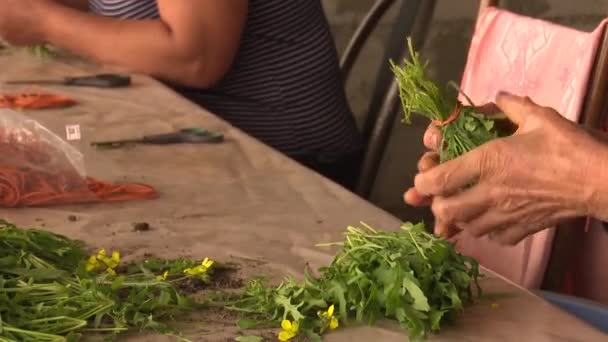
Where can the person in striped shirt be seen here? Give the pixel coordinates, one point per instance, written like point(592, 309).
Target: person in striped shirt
point(269, 67)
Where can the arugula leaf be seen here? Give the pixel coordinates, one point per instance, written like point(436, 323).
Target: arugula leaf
point(246, 324)
point(420, 301)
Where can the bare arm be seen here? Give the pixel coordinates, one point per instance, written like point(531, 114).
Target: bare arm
point(193, 43)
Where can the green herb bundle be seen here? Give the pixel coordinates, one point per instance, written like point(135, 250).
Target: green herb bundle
point(41, 51)
point(409, 276)
point(46, 293)
point(463, 127)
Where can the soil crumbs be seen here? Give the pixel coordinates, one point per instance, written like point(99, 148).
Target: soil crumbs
point(215, 324)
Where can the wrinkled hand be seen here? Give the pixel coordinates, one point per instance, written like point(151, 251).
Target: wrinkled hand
point(20, 21)
point(432, 141)
point(516, 186)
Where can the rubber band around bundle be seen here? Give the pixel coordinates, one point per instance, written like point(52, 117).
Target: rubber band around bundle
point(21, 187)
point(33, 173)
point(453, 116)
point(34, 100)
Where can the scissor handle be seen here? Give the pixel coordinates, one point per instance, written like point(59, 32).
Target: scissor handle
point(186, 135)
point(100, 81)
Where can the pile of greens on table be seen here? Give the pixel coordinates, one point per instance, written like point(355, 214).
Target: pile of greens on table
point(50, 290)
point(409, 276)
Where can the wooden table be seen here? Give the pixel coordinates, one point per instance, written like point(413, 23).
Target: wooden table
point(236, 201)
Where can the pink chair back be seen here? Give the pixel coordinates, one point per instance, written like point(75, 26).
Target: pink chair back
point(547, 62)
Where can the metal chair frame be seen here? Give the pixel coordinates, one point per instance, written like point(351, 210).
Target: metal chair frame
point(413, 19)
point(362, 34)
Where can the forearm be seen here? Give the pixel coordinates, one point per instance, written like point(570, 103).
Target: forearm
point(144, 46)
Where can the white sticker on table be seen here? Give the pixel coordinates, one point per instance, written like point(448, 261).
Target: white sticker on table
point(72, 132)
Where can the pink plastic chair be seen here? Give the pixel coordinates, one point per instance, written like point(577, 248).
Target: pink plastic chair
point(557, 67)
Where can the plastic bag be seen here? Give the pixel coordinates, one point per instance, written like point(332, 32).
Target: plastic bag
point(39, 168)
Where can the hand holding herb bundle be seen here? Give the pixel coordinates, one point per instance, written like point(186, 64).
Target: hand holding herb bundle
point(492, 191)
point(463, 127)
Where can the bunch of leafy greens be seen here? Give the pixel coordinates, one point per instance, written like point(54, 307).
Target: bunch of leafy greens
point(409, 276)
point(41, 51)
point(469, 129)
point(47, 294)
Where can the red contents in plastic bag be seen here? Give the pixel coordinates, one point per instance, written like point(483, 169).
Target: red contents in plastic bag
point(34, 101)
point(56, 181)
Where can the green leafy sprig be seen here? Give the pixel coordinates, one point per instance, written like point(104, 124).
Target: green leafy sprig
point(463, 127)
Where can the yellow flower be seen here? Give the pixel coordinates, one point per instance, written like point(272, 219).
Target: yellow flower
point(207, 263)
point(290, 330)
point(95, 261)
point(101, 254)
point(329, 319)
point(334, 323)
point(92, 264)
point(190, 271)
point(163, 277)
point(111, 263)
point(114, 261)
point(200, 269)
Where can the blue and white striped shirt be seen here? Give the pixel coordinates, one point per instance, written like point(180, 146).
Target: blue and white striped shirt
point(284, 88)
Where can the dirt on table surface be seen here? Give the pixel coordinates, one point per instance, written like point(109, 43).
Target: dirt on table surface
point(141, 226)
point(212, 323)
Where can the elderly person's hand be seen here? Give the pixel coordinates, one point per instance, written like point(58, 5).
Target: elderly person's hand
point(19, 21)
point(548, 171)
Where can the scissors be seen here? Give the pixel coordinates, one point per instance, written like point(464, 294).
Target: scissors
point(182, 136)
point(97, 81)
